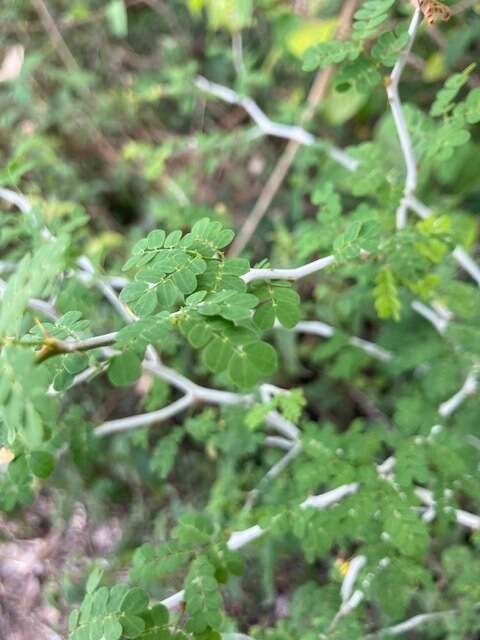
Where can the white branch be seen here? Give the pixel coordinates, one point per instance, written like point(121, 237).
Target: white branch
point(314, 327)
point(288, 274)
point(467, 263)
point(144, 419)
point(280, 443)
point(330, 497)
point(350, 598)
point(420, 209)
point(400, 122)
point(408, 625)
point(371, 348)
point(16, 199)
point(440, 323)
point(258, 116)
point(469, 387)
point(317, 328)
point(71, 346)
point(465, 518)
point(277, 468)
point(214, 396)
point(204, 394)
point(239, 539)
point(268, 127)
point(354, 568)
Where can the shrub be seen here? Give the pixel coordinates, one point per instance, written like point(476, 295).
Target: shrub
point(310, 383)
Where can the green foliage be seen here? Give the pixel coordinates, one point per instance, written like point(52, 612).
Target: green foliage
point(329, 53)
point(202, 598)
point(389, 45)
point(117, 613)
point(369, 17)
point(115, 157)
point(276, 301)
point(23, 400)
point(174, 263)
point(387, 302)
point(444, 99)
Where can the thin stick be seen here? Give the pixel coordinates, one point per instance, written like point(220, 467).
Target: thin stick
point(237, 540)
point(51, 28)
point(401, 124)
point(408, 625)
point(145, 419)
point(288, 274)
point(315, 327)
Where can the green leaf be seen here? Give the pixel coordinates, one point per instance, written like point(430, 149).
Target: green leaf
point(112, 629)
point(193, 530)
point(202, 597)
point(444, 100)
point(406, 531)
point(164, 454)
point(347, 245)
point(369, 17)
point(124, 369)
point(30, 279)
point(94, 579)
point(24, 402)
point(387, 301)
point(255, 361)
point(42, 463)
point(327, 53)
point(146, 304)
point(389, 46)
point(134, 601)
point(75, 362)
point(152, 562)
point(132, 625)
point(277, 301)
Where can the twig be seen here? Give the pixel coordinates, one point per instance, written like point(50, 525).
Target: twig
point(439, 322)
point(288, 274)
point(279, 442)
point(145, 419)
point(354, 568)
point(467, 263)
point(400, 122)
point(53, 347)
point(264, 123)
point(350, 599)
point(330, 497)
point(318, 328)
point(240, 539)
point(316, 95)
point(408, 625)
point(57, 39)
point(351, 164)
point(469, 387)
point(214, 396)
point(16, 199)
point(276, 129)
